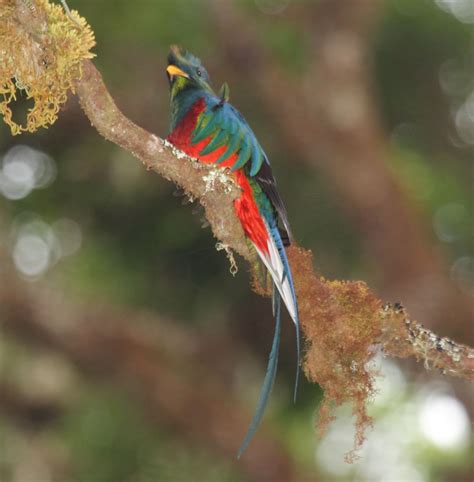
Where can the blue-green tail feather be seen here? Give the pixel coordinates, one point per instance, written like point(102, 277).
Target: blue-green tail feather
point(287, 275)
point(269, 376)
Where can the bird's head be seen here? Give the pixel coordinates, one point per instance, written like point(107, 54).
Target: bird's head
point(185, 71)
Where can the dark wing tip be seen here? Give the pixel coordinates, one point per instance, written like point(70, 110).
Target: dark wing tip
point(267, 182)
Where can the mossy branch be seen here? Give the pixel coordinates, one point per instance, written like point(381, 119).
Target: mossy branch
point(343, 322)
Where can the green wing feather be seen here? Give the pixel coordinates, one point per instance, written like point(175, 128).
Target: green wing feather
point(226, 126)
point(257, 157)
point(224, 93)
point(219, 140)
point(244, 154)
point(232, 147)
point(211, 121)
point(200, 123)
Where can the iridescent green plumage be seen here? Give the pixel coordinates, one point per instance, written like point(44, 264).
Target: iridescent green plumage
point(222, 121)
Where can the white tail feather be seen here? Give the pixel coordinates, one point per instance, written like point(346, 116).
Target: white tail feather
point(275, 266)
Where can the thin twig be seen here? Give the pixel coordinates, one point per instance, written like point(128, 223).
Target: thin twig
point(69, 14)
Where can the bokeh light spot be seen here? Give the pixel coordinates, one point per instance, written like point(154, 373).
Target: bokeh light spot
point(463, 10)
point(462, 271)
point(464, 120)
point(24, 169)
point(16, 180)
point(69, 236)
point(454, 78)
point(31, 255)
point(444, 422)
point(450, 222)
point(35, 245)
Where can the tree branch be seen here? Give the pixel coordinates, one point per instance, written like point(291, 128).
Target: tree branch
point(404, 338)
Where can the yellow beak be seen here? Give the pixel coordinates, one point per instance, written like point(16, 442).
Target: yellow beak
point(173, 70)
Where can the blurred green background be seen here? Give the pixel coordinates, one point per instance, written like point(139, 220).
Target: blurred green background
point(103, 249)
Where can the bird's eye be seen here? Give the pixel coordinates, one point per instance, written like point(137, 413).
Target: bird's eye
point(198, 72)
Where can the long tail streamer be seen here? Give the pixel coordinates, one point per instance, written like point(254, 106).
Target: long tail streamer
point(269, 376)
point(289, 298)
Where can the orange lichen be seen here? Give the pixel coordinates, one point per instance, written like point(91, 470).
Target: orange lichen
point(40, 57)
point(341, 321)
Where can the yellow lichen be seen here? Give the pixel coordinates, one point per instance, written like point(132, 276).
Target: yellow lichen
point(41, 50)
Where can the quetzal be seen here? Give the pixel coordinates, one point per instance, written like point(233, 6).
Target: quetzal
point(207, 127)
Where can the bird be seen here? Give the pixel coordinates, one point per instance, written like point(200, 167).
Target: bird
point(206, 126)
